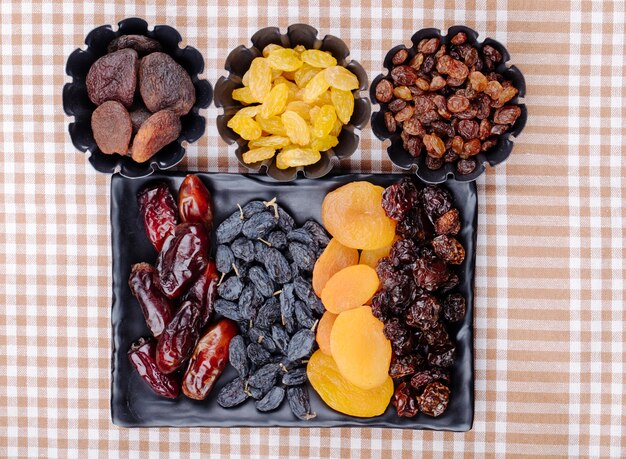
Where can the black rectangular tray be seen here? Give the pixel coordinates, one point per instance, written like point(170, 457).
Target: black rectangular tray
point(133, 404)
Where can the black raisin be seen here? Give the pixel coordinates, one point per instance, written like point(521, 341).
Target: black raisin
point(250, 301)
point(230, 289)
point(253, 207)
point(304, 315)
point(258, 225)
point(265, 377)
point(268, 314)
point(277, 266)
point(287, 308)
point(295, 377)
point(232, 394)
point(264, 285)
point(227, 309)
point(280, 337)
point(303, 256)
point(302, 287)
point(243, 249)
point(277, 239)
point(229, 229)
point(301, 345)
point(272, 400)
point(258, 354)
point(224, 259)
point(237, 356)
point(318, 232)
point(285, 221)
point(302, 236)
point(300, 403)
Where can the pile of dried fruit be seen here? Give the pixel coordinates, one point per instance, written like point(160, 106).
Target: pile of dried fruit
point(265, 264)
point(351, 370)
point(297, 101)
point(448, 101)
point(177, 296)
point(140, 93)
point(417, 298)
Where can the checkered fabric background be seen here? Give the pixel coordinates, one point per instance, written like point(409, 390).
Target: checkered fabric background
point(550, 267)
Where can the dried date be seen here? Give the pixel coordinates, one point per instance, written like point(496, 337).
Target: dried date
point(156, 308)
point(177, 341)
point(159, 213)
point(142, 356)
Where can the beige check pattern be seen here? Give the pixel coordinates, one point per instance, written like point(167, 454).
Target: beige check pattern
point(550, 320)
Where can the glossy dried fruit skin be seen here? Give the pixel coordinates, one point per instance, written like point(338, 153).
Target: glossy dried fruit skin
point(195, 203)
point(209, 359)
point(245, 126)
point(404, 75)
point(142, 356)
point(430, 273)
point(404, 401)
point(350, 288)
point(140, 43)
point(384, 91)
point(402, 366)
point(449, 249)
point(360, 349)
point(232, 394)
point(507, 114)
point(454, 307)
point(436, 201)
point(177, 341)
point(113, 77)
point(156, 132)
point(448, 223)
point(343, 396)
point(112, 127)
point(434, 400)
point(204, 292)
point(399, 198)
point(354, 216)
point(159, 213)
point(341, 78)
point(182, 259)
point(165, 84)
point(156, 308)
point(300, 403)
point(424, 312)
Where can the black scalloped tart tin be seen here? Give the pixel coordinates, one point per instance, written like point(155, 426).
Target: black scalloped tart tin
point(77, 104)
point(496, 155)
point(237, 64)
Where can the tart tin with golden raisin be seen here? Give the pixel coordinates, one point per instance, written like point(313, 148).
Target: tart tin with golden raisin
point(238, 63)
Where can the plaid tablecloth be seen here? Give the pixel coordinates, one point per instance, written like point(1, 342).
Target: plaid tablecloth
point(550, 268)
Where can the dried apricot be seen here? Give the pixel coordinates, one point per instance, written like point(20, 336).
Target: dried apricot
point(317, 58)
point(156, 132)
point(165, 84)
point(296, 157)
point(353, 214)
point(360, 349)
point(341, 78)
point(344, 104)
point(113, 77)
point(333, 259)
point(323, 331)
point(350, 288)
point(343, 396)
point(258, 154)
point(371, 257)
point(112, 127)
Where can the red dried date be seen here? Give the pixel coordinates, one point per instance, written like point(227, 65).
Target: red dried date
point(142, 356)
point(194, 202)
point(156, 308)
point(204, 292)
point(179, 338)
point(208, 360)
point(159, 211)
point(183, 258)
